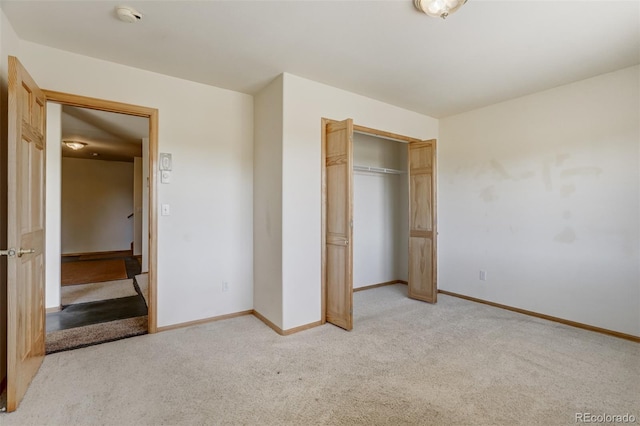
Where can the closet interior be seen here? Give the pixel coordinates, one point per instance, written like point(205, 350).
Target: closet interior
point(380, 211)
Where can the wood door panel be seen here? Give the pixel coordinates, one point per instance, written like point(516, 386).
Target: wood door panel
point(421, 208)
point(37, 113)
point(421, 157)
point(337, 273)
point(336, 144)
point(421, 272)
point(338, 202)
point(338, 252)
point(36, 187)
point(23, 315)
point(23, 188)
point(26, 230)
point(422, 221)
point(25, 95)
point(36, 311)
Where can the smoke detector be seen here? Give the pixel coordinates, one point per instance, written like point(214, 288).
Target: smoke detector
point(128, 14)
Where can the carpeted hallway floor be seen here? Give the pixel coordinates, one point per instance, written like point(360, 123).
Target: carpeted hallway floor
point(405, 362)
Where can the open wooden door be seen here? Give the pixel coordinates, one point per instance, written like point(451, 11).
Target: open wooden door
point(25, 236)
point(338, 181)
point(422, 221)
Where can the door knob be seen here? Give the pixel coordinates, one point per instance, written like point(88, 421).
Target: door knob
point(25, 251)
point(10, 252)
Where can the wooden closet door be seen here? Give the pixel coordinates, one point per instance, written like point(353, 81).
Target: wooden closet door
point(338, 172)
point(422, 221)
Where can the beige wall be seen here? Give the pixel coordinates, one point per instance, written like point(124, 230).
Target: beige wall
point(267, 202)
point(208, 238)
point(53, 212)
point(145, 205)
point(542, 192)
point(137, 206)
point(97, 197)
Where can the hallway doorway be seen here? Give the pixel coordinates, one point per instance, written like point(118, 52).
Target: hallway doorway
point(102, 216)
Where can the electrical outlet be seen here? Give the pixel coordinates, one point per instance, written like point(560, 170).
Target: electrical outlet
point(483, 275)
point(225, 286)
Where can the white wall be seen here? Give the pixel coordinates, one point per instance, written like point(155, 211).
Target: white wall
point(305, 103)
point(267, 199)
point(208, 238)
point(380, 212)
point(145, 206)
point(542, 192)
point(53, 222)
point(97, 197)
point(9, 45)
point(137, 206)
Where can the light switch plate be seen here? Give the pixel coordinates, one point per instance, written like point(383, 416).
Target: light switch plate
point(165, 161)
point(165, 176)
point(165, 210)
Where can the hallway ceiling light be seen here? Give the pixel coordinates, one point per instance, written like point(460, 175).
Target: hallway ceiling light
point(75, 145)
point(438, 8)
point(128, 14)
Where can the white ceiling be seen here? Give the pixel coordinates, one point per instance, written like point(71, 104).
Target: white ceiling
point(487, 52)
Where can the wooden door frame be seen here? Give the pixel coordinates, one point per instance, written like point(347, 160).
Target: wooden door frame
point(152, 115)
point(323, 183)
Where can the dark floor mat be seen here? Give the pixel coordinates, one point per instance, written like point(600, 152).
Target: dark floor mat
point(83, 314)
point(94, 334)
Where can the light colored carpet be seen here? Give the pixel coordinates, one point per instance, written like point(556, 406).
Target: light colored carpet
point(92, 271)
point(143, 283)
point(405, 362)
point(83, 293)
point(93, 334)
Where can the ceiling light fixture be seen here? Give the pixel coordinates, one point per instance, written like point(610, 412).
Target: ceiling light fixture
point(438, 8)
point(128, 14)
point(75, 145)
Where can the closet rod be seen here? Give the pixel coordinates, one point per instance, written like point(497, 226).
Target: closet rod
point(378, 170)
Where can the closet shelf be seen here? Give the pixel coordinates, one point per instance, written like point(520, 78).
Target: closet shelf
point(378, 170)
